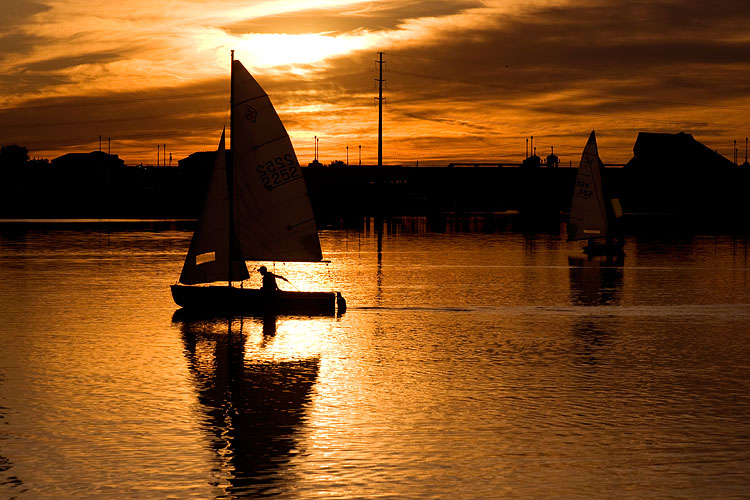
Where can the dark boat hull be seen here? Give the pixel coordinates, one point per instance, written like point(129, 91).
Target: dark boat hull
point(226, 300)
point(613, 252)
point(603, 250)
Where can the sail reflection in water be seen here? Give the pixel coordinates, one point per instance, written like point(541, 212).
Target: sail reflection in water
point(255, 403)
point(593, 284)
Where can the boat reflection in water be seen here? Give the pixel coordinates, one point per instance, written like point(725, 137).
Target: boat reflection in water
point(255, 404)
point(594, 283)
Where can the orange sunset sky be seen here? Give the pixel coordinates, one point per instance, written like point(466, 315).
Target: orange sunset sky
point(466, 80)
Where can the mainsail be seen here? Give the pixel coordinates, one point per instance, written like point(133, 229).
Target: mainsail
point(588, 213)
point(208, 258)
point(272, 216)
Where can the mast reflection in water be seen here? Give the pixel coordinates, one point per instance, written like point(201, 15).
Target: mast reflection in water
point(255, 404)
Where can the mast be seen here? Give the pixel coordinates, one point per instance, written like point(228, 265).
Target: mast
point(230, 171)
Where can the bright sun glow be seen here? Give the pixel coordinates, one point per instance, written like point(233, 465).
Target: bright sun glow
point(270, 50)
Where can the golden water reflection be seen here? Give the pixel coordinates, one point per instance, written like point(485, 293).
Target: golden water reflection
point(467, 366)
point(254, 378)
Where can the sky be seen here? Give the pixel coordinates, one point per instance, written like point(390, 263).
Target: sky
point(466, 80)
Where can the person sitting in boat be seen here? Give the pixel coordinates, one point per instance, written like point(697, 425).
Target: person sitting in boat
point(269, 280)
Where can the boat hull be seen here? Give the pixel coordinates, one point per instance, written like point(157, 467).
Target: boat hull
point(230, 300)
point(613, 252)
point(604, 249)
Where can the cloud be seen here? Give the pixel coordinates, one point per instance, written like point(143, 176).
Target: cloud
point(622, 66)
point(61, 63)
point(15, 10)
point(187, 121)
point(360, 16)
point(470, 74)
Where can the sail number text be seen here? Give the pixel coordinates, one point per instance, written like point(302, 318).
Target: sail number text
point(583, 189)
point(278, 171)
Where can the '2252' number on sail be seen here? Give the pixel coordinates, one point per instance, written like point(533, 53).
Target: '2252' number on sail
point(278, 171)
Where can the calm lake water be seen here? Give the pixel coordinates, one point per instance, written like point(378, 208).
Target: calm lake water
point(468, 365)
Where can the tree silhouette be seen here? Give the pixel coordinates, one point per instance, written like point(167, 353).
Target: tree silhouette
point(13, 156)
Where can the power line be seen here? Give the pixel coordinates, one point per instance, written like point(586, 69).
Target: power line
point(567, 94)
point(540, 109)
point(135, 100)
point(106, 120)
point(171, 135)
point(110, 102)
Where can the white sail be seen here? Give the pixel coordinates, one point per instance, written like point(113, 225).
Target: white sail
point(588, 216)
point(273, 218)
point(208, 258)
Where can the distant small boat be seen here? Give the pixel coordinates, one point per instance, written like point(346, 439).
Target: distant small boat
point(591, 213)
point(256, 208)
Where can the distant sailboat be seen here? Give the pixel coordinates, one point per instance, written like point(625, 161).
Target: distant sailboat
point(256, 208)
point(591, 213)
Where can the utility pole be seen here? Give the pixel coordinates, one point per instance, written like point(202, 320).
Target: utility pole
point(380, 109)
point(360, 153)
point(347, 156)
point(109, 145)
point(158, 154)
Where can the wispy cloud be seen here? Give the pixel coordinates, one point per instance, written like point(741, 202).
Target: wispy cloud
point(479, 75)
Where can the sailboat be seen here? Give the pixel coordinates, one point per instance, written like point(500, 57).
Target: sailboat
point(592, 215)
point(256, 209)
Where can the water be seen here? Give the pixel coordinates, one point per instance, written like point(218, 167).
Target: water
point(468, 365)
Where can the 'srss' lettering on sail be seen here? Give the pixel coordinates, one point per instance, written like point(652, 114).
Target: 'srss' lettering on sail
point(278, 171)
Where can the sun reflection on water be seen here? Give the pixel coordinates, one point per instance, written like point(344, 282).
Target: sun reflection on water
point(283, 338)
point(302, 276)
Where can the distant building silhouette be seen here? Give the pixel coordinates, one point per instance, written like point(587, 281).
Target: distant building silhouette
point(201, 161)
point(552, 160)
point(674, 152)
point(675, 174)
point(532, 161)
point(96, 160)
